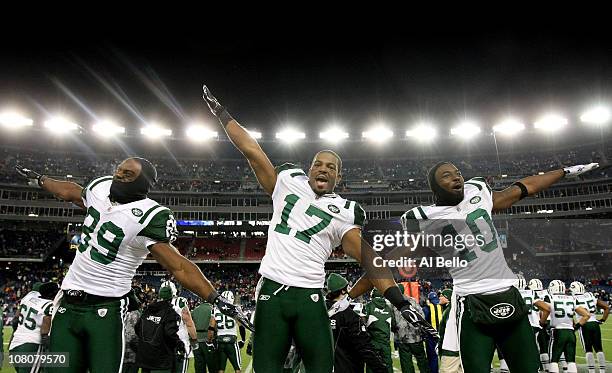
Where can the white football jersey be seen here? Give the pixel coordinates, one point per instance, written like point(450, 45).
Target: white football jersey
point(563, 310)
point(32, 309)
point(115, 240)
point(588, 302)
point(304, 230)
point(225, 324)
point(486, 270)
point(545, 296)
point(178, 304)
point(529, 296)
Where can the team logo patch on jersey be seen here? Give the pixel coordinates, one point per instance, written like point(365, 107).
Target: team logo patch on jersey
point(314, 297)
point(102, 312)
point(264, 297)
point(475, 200)
point(502, 310)
point(333, 208)
point(61, 310)
point(137, 212)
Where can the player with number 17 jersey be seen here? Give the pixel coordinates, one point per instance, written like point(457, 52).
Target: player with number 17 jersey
point(304, 230)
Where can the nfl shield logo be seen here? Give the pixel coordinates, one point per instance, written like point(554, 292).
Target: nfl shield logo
point(314, 297)
point(102, 312)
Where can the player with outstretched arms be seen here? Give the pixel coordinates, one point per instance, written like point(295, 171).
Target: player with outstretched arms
point(121, 227)
point(489, 310)
point(308, 222)
point(590, 333)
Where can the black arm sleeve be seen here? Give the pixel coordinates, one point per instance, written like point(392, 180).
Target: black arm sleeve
point(362, 343)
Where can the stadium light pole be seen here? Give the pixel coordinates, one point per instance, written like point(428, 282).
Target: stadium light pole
point(198, 133)
point(334, 134)
point(509, 127)
point(550, 123)
point(155, 131)
point(60, 125)
point(598, 115)
point(107, 128)
point(14, 120)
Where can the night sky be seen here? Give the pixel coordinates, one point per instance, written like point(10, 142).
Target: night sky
point(267, 79)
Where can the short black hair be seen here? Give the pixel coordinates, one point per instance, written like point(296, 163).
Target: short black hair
point(332, 153)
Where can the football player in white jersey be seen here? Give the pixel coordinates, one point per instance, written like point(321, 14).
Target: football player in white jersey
point(228, 345)
point(590, 333)
point(34, 323)
point(561, 309)
point(122, 226)
point(543, 338)
point(309, 221)
point(490, 310)
point(187, 331)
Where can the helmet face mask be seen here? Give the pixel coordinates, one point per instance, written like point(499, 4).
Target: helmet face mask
point(229, 296)
point(535, 284)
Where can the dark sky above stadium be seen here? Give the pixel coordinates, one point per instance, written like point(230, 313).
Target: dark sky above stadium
point(270, 78)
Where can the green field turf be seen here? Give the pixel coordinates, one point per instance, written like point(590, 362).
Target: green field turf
point(246, 360)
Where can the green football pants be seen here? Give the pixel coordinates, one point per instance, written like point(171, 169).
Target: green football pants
point(205, 360)
point(562, 341)
point(590, 336)
point(92, 334)
point(477, 344)
point(228, 351)
point(285, 313)
point(384, 349)
point(407, 351)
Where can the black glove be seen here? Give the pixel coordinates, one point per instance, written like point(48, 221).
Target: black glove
point(414, 317)
point(577, 326)
point(233, 311)
point(601, 321)
point(215, 107)
point(249, 349)
point(44, 341)
point(240, 344)
point(194, 344)
point(134, 301)
point(32, 176)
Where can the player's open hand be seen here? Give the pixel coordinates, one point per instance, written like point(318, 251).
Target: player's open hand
point(233, 311)
point(32, 176)
point(414, 317)
point(580, 169)
point(213, 104)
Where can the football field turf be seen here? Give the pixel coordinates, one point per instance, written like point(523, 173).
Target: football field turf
point(247, 368)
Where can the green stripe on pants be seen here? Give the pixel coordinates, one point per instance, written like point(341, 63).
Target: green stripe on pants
point(289, 313)
point(91, 334)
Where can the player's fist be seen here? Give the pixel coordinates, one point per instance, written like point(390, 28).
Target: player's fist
point(249, 349)
point(213, 104)
point(579, 169)
point(32, 176)
point(233, 311)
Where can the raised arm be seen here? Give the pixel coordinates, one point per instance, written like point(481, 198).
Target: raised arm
point(64, 190)
point(248, 146)
point(603, 306)
point(534, 184)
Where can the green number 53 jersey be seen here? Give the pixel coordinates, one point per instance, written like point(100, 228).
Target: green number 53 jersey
point(114, 240)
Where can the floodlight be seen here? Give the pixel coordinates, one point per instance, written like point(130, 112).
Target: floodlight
point(155, 131)
point(422, 132)
point(466, 130)
point(197, 132)
point(509, 127)
point(378, 133)
point(551, 123)
point(597, 115)
point(13, 120)
point(60, 125)
point(254, 134)
point(290, 135)
point(334, 134)
point(108, 128)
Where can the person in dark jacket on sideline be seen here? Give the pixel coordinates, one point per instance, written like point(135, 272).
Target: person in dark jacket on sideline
point(353, 347)
point(158, 340)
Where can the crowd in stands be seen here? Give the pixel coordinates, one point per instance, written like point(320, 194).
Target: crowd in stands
point(234, 175)
point(29, 243)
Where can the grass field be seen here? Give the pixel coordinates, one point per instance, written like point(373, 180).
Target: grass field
point(247, 368)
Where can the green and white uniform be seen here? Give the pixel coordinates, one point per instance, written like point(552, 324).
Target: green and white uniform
point(378, 321)
point(486, 279)
point(304, 230)
point(114, 243)
point(182, 361)
point(27, 338)
point(227, 341)
point(530, 297)
point(590, 333)
point(562, 338)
